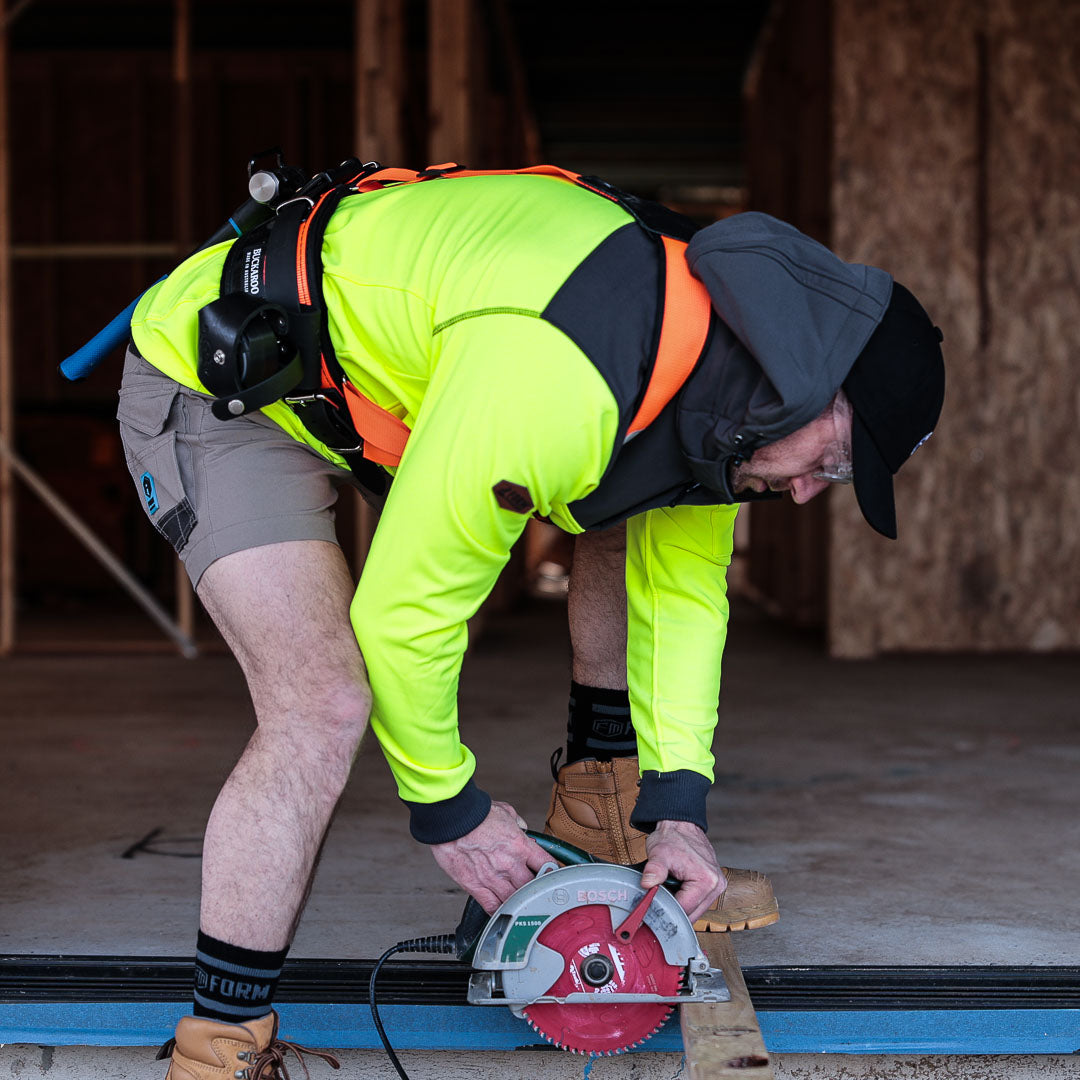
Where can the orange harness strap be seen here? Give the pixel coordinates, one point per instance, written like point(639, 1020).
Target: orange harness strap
point(685, 326)
point(683, 331)
point(383, 433)
point(450, 170)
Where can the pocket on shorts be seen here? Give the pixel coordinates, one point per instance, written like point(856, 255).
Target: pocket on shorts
point(146, 404)
point(146, 398)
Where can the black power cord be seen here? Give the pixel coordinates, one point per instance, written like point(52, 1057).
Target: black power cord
point(439, 943)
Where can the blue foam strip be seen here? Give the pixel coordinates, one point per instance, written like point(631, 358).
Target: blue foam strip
point(463, 1027)
point(933, 1031)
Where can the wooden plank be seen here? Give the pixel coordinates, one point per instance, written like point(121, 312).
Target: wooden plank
point(722, 1039)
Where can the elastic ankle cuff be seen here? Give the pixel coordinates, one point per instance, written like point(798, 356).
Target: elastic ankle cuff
point(671, 796)
point(597, 695)
point(449, 819)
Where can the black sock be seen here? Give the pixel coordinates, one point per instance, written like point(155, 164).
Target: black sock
point(234, 984)
point(599, 725)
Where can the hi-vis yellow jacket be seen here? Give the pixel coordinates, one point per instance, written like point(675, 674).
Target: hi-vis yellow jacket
point(436, 295)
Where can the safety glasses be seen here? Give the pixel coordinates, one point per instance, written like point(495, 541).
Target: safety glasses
point(836, 466)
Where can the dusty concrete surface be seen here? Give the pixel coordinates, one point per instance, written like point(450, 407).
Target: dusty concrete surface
point(136, 1063)
point(910, 810)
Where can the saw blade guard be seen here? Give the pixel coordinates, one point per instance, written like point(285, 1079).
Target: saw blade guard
point(508, 941)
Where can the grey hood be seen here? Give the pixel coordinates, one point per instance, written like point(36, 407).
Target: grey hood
point(792, 320)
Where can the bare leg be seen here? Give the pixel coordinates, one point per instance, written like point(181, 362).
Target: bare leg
point(597, 609)
point(284, 611)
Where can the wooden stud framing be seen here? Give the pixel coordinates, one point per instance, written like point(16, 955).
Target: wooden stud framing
point(380, 80)
point(379, 73)
point(451, 66)
point(722, 1040)
point(86, 536)
point(185, 152)
point(31, 252)
point(7, 382)
point(524, 117)
point(10, 462)
point(380, 95)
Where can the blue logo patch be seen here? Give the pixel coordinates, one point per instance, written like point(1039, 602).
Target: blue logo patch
point(149, 493)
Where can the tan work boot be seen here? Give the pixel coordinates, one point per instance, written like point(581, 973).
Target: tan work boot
point(591, 804)
point(211, 1050)
point(747, 903)
point(590, 808)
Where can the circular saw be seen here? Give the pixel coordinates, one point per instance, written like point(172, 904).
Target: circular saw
point(592, 960)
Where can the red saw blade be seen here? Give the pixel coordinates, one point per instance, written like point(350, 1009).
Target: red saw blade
point(584, 938)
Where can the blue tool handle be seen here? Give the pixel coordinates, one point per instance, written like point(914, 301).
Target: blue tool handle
point(83, 361)
point(248, 215)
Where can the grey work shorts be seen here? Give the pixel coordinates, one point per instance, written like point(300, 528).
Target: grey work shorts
point(212, 487)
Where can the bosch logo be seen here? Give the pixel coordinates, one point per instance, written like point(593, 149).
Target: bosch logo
point(603, 896)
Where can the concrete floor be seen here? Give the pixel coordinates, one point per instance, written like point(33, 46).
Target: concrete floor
point(133, 1063)
point(912, 810)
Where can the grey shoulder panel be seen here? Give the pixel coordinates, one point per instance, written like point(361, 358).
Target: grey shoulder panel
point(609, 307)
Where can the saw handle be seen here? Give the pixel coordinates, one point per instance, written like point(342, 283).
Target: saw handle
point(569, 855)
point(473, 920)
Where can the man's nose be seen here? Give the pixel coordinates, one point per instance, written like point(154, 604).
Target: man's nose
point(804, 488)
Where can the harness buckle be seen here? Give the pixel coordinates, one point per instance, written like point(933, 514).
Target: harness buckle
point(331, 412)
point(299, 198)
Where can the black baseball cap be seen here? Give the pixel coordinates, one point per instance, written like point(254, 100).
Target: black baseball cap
point(896, 388)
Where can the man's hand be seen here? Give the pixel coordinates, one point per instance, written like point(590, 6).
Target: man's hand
point(494, 860)
point(681, 849)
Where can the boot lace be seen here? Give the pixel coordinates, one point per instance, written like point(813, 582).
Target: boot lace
point(269, 1064)
point(555, 763)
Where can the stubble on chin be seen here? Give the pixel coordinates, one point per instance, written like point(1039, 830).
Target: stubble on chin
point(741, 479)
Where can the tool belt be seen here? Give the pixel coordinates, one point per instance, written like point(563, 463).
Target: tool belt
point(267, 339)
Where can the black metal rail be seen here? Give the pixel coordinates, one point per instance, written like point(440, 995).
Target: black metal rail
point(63, 979)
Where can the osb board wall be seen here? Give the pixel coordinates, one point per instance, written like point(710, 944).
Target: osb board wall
point(957, 167)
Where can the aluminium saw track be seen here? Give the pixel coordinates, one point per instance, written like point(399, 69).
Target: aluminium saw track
point(61, 1000)
point(55, 979)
